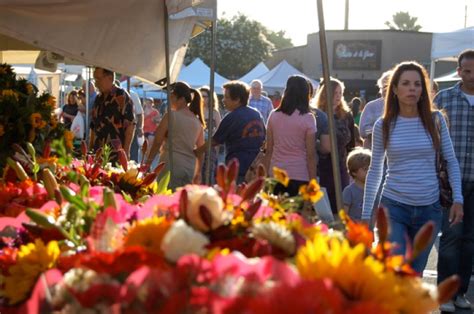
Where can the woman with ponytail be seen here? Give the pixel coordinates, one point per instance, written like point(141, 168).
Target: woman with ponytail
point(188, 133)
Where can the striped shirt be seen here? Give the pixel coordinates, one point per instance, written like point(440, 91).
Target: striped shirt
point(411, 165)
point(461, 126)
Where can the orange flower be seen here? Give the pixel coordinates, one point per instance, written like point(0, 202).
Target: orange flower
point(68, 138)
point(357, 233)
point(311, 191)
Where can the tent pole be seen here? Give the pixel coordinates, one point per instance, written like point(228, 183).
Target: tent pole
point(211, 103)
point(168, 92)
point(87, 103)
point(332, 130)
point(432, 70)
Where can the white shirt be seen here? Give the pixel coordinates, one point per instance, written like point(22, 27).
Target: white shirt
point(137, 104)
point(470, 98)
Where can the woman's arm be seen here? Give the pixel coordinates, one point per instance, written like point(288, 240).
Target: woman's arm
point(268, 149)
point(310, 139)
point(374, 175)
point(160, 134)
point(200, 158)
point(217, 118)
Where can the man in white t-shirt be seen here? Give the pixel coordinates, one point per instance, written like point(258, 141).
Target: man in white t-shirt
point(138, 111)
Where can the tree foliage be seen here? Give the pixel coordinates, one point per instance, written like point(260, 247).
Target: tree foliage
point(404, 22)
point(241, 44)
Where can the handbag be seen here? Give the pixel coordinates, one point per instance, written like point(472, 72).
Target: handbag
point(252, 171)
point(445, 190)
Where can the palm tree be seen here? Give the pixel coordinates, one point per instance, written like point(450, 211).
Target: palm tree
point(404, 22)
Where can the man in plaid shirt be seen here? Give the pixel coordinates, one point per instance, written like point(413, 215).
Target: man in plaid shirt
point(457, 242)
point(258, 101)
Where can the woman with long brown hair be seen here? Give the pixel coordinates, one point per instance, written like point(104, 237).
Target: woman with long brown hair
point(188, 133)
point(409, 134)
point(346, 138)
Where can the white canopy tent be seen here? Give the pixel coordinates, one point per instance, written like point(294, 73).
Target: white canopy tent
point(143, 38)
point(275, 79)
point(126, 36)
point(447, 46)
point(259, 70)
point(451, 77)
point(197, 74)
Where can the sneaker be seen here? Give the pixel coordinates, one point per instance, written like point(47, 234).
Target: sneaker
point(447, 307)
point(462, 302)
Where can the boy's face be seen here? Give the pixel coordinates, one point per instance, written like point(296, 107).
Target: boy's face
point(361, 174)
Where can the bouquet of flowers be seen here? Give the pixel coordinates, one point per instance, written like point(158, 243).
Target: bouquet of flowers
point(26, 116)
point(219, 249)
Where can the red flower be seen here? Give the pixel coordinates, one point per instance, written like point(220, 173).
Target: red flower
point(318, 296)
point(116, 263)
point(16, 197)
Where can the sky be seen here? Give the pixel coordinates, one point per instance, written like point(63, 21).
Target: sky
point(299, 17)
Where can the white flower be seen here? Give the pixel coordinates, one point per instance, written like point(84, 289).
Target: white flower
point(204, 196)
point(181, 239)
point(276, 234)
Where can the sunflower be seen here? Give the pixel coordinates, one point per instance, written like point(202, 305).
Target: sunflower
point(360, 277)
point(9, 93)
point(148, 233)
point(311, 192)
point(281, 176)
point(32, 260)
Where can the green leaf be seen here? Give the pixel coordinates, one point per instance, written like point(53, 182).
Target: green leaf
point(163, 183)
point(43, 220)
point(127, 197)
point(73, 198)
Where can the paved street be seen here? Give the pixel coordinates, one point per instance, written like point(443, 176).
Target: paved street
point(430, 276)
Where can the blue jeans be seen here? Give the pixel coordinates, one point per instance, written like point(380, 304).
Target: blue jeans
point(456, 246)
point(406, 221)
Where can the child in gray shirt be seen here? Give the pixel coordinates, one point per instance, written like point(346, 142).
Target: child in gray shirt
point(358, 162)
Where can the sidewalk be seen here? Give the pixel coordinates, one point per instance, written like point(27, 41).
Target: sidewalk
point(430, 274)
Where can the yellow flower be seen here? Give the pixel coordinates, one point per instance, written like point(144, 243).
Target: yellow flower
point(2, 130)
point(360, 277)
point(281, 176)
point(217, 251)
point(148, 233)
point(68, 138)
point(273, 201)
point(311, 192)
point(32, 260)
point(35, 119)
point(51, 101)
